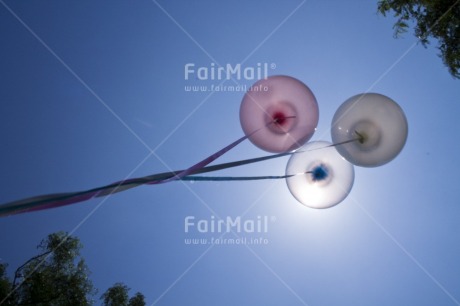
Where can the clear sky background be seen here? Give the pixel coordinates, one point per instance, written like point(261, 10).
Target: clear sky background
point(104, 100)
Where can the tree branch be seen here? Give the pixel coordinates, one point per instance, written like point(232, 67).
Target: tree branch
point(17, 272)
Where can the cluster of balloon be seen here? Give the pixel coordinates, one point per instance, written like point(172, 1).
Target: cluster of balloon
point(367, 130)
point(279, 114)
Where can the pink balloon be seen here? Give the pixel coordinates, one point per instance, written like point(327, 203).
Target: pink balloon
point(279, 114)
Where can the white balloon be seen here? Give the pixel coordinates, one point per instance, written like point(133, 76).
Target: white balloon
point(377, 122)
point(321, 177)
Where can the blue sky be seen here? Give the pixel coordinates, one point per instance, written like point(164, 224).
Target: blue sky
point(98, 95)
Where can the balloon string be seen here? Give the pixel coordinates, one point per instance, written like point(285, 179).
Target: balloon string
point(28, 203)
point(131, 183)
point(233, 178)
point(252, 178)
point(62, 199)
point(360, 139)
point(53, 200)
point(50, 201)
point(240, 178)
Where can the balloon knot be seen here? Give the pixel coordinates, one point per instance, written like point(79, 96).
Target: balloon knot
point(280, 118)
point(319, 173)
point(361, 138)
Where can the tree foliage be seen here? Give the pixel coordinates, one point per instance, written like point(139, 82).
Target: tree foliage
point(117, 295)
point(58, 276)
point(137, 300)
point(5, 288)
point(438, 19)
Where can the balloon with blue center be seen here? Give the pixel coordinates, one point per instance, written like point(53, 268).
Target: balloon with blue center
point(318, 176)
